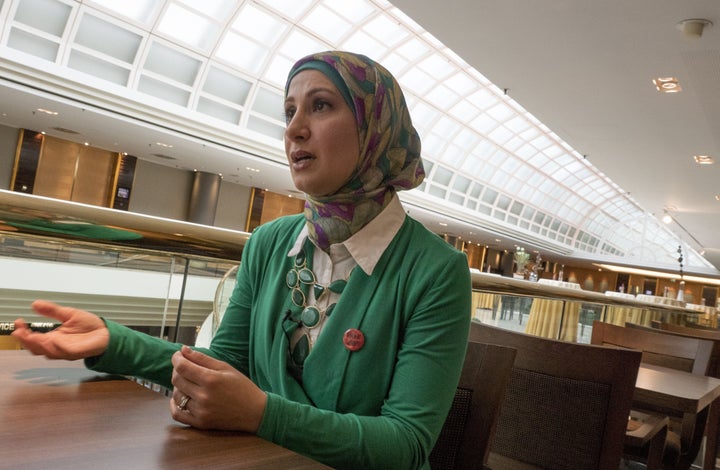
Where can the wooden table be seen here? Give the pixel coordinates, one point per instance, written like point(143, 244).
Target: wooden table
point(693, 398)
point(59, 415)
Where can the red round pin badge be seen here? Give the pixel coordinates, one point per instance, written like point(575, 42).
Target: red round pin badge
point(353, 339)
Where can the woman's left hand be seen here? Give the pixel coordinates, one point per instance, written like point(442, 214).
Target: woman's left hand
point(213, 394)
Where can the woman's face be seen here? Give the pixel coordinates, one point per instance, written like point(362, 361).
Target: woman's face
point(321, 138)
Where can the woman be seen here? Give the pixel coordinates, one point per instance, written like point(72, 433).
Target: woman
point(345, 335)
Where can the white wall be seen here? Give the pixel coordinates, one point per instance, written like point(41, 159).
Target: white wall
point(233, 206)
point(23, 274)
point(161, 191)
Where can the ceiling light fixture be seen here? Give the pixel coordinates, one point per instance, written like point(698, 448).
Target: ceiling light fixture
point(703, 159)
point(667, 84)
point(667, 218)
point(47, 111)
point(693, 28)
point(651, 273)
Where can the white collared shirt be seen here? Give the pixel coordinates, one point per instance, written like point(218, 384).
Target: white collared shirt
point(363, 249)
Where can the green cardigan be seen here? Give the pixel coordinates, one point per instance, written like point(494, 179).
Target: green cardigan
point(380, 407)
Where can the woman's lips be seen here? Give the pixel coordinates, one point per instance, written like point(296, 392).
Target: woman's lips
point(301, 160)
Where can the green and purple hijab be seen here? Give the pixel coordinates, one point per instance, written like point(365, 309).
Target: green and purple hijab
point(389, 146)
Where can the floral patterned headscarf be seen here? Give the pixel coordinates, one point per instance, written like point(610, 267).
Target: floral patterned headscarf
point(389, 146)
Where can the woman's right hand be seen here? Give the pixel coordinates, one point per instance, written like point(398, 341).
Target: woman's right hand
point(80, 335)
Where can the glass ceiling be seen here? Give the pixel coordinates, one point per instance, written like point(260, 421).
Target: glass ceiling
point(226, 61)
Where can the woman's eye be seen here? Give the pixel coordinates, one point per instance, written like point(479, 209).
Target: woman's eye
point(289, 113)
point(319, 105)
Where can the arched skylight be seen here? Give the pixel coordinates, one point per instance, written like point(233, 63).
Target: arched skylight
point(226, 61)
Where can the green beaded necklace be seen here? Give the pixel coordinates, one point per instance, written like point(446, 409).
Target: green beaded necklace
point(300, 278)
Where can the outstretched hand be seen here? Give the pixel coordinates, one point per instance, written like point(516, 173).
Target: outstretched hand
point(211, 394)
point(80, 335)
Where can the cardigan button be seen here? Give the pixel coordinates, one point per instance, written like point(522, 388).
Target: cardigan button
point(353, 339)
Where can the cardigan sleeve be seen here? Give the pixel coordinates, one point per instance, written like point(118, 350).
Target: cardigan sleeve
point(138, 354)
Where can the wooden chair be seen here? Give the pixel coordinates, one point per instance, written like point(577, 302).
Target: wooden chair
point(701, 332)
point(705, 333)
point(566, 406)
point(685, 353)
point(672, 351)
point(466, 436)
point(209, 327)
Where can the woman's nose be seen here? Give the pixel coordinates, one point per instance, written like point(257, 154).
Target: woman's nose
point(297, 128)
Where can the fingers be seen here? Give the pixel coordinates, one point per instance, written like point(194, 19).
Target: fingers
point(186, 377)
point(28, 337)
point(52, 310)
point(182, 414)
point(220, 396)
point(21, 329)
point(33, 342)
point(193, 374)
point(194, 366)
point(202, 359)
point(182, 401)
point(80, 335)
point(22, 332)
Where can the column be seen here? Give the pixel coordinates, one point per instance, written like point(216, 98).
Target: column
point(204, 198)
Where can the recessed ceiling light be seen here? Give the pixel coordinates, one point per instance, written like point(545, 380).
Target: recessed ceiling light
point(667, 84)
point(694, 27)
point(667, 218)
point(160, 144)
point(163, 156)
point(65, 130)
point(703, 159)
point(717, 197)
point(442, 224)
point(47, 111)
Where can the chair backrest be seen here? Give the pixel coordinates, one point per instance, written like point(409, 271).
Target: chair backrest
point(672, 351)
point(690, 326)
point(468, 430)
point(212, 321)
point(697, 331)
point(692, 332)
point(566, 406)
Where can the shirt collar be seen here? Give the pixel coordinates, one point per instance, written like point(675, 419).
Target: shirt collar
point(370, 242)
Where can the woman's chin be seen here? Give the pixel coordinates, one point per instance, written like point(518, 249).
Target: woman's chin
point(312, 190)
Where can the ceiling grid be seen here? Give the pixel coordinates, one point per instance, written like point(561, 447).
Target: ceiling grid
point(472, 130)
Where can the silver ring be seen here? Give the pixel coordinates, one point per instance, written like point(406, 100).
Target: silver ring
point(182, 406)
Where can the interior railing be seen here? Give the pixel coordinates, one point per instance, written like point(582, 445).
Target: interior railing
point(149, 273)
point(561, 310)
point(161, 275)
